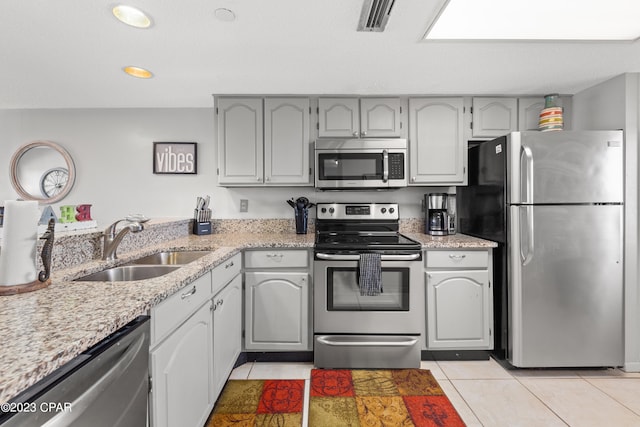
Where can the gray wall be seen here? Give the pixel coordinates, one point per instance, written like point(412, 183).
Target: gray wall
point(112, 150)
point(614, 104)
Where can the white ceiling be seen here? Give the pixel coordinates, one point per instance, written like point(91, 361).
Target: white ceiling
point(69, 54)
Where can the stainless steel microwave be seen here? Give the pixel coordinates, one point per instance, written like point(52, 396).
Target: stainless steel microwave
point(361, 163)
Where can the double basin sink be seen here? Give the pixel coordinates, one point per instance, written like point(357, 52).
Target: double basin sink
point(147, 267)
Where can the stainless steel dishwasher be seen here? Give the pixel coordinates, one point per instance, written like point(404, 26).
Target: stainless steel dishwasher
point(106, 386)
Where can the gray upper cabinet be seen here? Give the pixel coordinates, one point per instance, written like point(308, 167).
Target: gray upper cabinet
point(240, 141)
point(286, 141)
point(493, 117)
point(437, 148)
point(263, 141)
point(380, 117)
point(529, 112)
point(355, 118)
point(338, 117)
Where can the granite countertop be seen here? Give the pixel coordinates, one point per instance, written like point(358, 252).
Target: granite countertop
point(43, 330)
point(455, 241)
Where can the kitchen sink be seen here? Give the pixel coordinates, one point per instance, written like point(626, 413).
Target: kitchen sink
point(170, 258)
point(127, 273)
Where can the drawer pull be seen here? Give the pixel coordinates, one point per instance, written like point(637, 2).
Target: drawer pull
point(457, 257)
point(188, 294)
point(228, 265)
point(276, 256)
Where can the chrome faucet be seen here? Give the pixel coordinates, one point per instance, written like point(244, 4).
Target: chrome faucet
point(112, 240)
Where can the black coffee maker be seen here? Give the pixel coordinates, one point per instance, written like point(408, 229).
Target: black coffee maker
point(436, 214)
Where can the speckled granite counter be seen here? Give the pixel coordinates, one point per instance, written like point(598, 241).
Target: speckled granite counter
point(455, 241)
point(43, 330)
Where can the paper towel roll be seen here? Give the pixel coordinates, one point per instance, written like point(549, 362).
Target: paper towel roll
point(19, 241)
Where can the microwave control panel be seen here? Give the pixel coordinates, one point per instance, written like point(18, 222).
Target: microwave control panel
point(396, 165)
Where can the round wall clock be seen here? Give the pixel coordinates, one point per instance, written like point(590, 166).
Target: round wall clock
point(53, 181)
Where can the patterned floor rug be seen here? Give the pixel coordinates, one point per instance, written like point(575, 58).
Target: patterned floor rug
point(390, 398)
point(264, 403)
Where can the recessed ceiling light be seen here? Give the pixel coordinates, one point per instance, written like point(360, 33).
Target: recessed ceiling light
point(225, 15)
point(613, 20)
point(138, 72)
point(131, 16)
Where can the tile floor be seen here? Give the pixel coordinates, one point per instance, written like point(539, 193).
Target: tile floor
point(487, 394)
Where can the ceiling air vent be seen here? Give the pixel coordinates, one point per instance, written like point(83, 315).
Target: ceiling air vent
point(375, 14)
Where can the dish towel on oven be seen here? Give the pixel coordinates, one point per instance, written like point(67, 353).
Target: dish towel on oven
point(370, 274)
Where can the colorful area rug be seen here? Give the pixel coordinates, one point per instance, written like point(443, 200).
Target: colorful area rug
point(390, 398)
point(249, 403)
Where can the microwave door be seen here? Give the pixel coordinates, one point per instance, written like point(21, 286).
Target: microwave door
point(345, 169)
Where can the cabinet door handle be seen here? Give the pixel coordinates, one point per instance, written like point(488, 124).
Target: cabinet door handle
point(356, 133)
point(457, 257)
point(188, 294)
point(228, 265)
point(364, 133)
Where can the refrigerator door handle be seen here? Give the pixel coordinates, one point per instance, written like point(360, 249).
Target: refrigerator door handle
point(528, 228)
point(526, 159)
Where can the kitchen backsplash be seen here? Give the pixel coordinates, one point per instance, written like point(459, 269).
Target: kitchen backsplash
point(75, 248)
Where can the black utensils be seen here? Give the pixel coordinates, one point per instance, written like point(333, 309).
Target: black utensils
point(302, 203)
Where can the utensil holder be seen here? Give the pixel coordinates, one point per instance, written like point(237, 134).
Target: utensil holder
point(301, 220)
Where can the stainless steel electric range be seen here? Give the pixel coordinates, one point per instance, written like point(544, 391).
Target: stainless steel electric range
point(357, 329)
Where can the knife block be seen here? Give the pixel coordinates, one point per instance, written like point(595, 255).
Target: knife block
point(201, 228)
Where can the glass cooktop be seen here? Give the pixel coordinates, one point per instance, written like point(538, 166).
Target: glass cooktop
point(364, 240)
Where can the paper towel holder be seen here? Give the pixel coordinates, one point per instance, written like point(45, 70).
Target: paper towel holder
point(43, 277)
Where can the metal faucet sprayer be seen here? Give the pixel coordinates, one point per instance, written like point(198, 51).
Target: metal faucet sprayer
point(112, 240)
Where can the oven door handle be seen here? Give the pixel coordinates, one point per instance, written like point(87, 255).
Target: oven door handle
point(336, 257)
point(403, 343)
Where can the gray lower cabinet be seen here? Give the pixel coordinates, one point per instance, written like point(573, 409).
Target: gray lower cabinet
point(183, 360)
point(277, 300)
point(196, 337)
point(227, 332)
point(277, 311)
point(459, 301)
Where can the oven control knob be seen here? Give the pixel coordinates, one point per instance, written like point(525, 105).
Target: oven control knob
point(331, 210)
point(383, 210)
point(391, 210)
point(323, 210)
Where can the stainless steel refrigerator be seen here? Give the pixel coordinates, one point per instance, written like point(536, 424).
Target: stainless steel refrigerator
point(554, 203)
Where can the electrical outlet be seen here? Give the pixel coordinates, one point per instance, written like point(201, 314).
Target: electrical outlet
point(244, 205)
